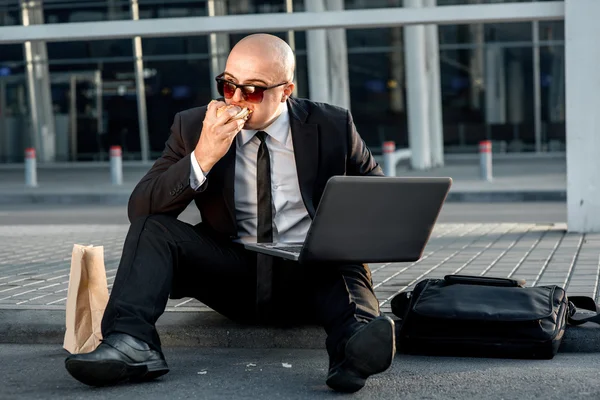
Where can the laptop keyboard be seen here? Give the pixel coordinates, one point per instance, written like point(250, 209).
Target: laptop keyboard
point(291, 249)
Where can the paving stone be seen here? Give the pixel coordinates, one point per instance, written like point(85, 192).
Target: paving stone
point(35, 260)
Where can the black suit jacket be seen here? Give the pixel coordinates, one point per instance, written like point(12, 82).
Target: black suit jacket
point(325, 140)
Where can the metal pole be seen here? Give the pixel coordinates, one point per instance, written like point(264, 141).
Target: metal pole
point(34, 132)
point(30, 168)
point(339, 89)
point(291, 39)
point(435, 95)
point(495, 85)
point(417, 89)
point(116, 165)
point(317, 58)
point(99, 105)
point(477, 62)
point(46, 133)
point(537, 90)
point(213, 48)
point(485, 157)
point(218, 44)
point(289, 8)
point(73, 115)
point(389, 158)
point(99, 111)
point(140, 86)
point(45, 97)
point(582, 59)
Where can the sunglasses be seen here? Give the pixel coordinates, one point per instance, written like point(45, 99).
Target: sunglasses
point(251, 93)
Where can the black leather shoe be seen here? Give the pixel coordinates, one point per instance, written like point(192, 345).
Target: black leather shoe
point(370, 350)
point(118, 358)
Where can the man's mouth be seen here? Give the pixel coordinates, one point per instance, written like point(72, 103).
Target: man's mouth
point(242, 107)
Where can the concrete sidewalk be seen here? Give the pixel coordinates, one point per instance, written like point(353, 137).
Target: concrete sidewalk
point(516, 178)
point(35, 262)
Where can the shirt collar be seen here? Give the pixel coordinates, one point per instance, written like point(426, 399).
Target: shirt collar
point(278, 130)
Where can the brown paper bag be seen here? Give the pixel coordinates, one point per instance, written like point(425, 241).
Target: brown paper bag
point(86, 299)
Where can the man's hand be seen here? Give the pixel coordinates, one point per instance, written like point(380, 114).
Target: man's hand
point(217, 135)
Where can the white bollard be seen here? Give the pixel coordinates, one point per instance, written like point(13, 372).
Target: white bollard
point(116, 165)
point(485, 157)
point(389, 158)
point(30, 167)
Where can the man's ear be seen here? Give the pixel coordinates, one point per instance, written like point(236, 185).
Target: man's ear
point(287, 91)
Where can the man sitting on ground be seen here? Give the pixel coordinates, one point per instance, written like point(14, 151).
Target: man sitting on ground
point(261, 175)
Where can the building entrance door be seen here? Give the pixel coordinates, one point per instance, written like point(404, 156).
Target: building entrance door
point(78, 117)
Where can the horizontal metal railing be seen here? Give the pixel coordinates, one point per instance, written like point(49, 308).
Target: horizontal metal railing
point(280, 22)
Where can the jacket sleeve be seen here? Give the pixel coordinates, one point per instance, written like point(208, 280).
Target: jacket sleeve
point(360, 161)
point(165, 189)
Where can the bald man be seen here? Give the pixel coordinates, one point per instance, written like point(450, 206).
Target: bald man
point(259, 178)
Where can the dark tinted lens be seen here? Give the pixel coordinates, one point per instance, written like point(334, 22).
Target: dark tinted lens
point(253, 94)
point(228, 90)
point(220, 86)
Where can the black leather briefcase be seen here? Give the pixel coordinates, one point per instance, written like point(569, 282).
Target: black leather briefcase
point(481, 316)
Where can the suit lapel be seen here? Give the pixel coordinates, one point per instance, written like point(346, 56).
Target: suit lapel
point(305, 137)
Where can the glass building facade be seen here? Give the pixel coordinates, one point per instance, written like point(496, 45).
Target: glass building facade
point(488, 80)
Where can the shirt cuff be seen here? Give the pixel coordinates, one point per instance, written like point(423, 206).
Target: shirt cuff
point(197, 176)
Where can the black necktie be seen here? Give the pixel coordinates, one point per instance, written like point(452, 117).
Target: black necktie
point(264, 228)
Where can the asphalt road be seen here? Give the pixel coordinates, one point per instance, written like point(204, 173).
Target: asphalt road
point(37, 372)
point(451, 213)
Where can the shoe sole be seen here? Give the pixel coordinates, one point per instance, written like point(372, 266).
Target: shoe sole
point(369, 352)
point(110, 372)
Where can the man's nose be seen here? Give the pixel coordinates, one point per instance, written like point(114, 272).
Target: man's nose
point(237, 95)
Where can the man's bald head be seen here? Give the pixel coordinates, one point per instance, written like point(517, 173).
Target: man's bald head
point(275, 53)
point(264, 61)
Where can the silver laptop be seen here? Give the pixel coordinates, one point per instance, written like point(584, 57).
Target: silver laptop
point(368, 219)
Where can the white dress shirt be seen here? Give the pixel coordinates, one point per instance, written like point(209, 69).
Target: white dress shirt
point(290, 218)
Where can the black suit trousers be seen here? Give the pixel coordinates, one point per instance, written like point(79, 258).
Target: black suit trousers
point(164, 257)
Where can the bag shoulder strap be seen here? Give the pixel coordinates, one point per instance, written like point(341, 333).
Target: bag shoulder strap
point(584, 303)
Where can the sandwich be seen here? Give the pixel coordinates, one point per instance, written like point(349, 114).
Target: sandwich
point(243, 114)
